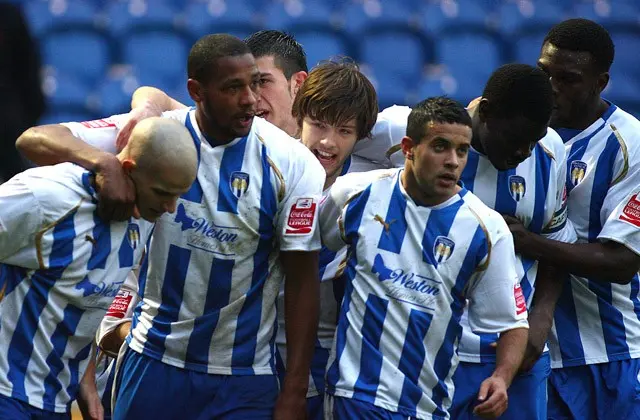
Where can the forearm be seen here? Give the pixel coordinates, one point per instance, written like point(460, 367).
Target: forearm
point(53, 144)
point(549, 284)
point(112, 341)
point(301, 320)
point(510, 353)
point(148, 94)
point(592, 260)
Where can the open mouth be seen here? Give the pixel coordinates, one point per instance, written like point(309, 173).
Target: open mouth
point(262, 114)
point(245, 120)
point(325, 158)
point(448, 179)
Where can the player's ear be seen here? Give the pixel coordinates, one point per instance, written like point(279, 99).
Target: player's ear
point(129, 165)
point(484, 109)
point(603, 81)
point(407, 145)
point(196, 90)
point(296, 81)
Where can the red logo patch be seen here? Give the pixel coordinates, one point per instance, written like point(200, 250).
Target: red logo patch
point(301, 217)
point(118, 308)
point(521, 303)
point(631, 211)
point(104, 123)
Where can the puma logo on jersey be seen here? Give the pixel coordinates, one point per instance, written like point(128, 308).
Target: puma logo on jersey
point(386, 225)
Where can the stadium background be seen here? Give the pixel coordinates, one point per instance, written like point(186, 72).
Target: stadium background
point(95, 53)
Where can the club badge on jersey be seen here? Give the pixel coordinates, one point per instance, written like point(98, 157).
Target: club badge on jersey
point(302, 216)
point(517, 187)
point(239, 183)
point(133, 233)
point(442, 249)
point(578, 171)
point(631, 211)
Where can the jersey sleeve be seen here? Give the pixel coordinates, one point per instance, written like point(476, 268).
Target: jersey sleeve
point(100, 134)
point(298, 215)
point(560, 227)
point(496, 302)
point(381, 149)
point(21, 216)
point(121, 309)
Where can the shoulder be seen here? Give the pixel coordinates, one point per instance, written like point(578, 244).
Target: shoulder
point(289, 155)
point(491, 221)
point(553, 145)
point(177, 114)
point(352, 184)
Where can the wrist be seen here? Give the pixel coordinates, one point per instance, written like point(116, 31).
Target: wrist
point(103, 161)
point(295, 384)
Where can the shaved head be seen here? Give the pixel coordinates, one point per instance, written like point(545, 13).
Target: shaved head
point(162, 161)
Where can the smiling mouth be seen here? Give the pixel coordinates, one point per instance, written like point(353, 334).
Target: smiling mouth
point(262, 114)
point(325, 158)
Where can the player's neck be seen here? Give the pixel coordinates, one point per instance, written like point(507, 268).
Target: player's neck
point(587, 118)
point(475, 131)
point(213, 134)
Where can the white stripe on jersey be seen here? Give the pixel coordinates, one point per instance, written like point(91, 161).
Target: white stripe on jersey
point(596, 322)
point(406, 264)
point(59, 284)
point(534, 193)
point(209, 295)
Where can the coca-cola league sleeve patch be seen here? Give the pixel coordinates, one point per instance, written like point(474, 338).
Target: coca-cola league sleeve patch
point(631, 211)
point(301, 217)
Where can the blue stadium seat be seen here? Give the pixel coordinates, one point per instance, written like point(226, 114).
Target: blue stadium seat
point(126, 16)
point(114, 94)
point(358, 17)
point(443, 15)
point(395, 53)
point(157, 57)
point(179, 93)
point(432, 86)
point(45, 16)
point(391, 91)
point(66, 91)
point(85, 54)
point(233, 16)
point(322, 45)
point(470, 57)
point(526, 47)
point(66, 115)
point(622, 87)
point(627, 57)
point(609, 13)
point(515, 17)
point(283, 15)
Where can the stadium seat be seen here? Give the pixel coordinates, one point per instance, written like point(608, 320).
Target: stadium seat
point(523, 16)
point(126, 16)
point(64, 91)
point(114, 94)
point(82, 53)
point(391, 91)
point(359, 17)
point(627, 57)
point(233, 16)
point(622, 87)
point(322, 45)
point(395, 53)
point(526, 47)
point(449, 14)
point(609, 14)
point(45, 16)
point(434, 86)
point(157, 57)
point(288, 14)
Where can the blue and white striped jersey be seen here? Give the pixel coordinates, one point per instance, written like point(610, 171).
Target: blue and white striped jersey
point(534, 192)
point(61, 267)
point(596, 322)
point(409, 271)
point(209, 289)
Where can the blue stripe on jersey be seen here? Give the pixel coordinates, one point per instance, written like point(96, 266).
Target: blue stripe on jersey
point(217, 297)
point(101, 244)
point(59, 339)
point(615, 337)
point(174, 277)
point(601, 182)
point(487, 351)
point(525, 285)
point(346, 166)
point(478, 249)
point(371, 356)
point(230, 164)
point(74, 371)
point(391, 239)
point(635, 289)
point(438, 224)
point(543, 170)
point(326, 257)
point(505, 203)
point(352, 220)
point(10, 277)
point(249, 318)
point(125, 253)
point(412, 359)
point(195, 193)
point(21, 346)
point(142, 282)
point(566, 320)
point(468, 176)
point(576, 153)
point(319, 366)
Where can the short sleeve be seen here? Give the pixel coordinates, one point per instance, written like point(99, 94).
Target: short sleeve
point(100, 134)
point(496, 301)
point(623, 225)
point(331, 215)
point(21, 216)
point(121, 309)
point(560, 227)
point(298, 215)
